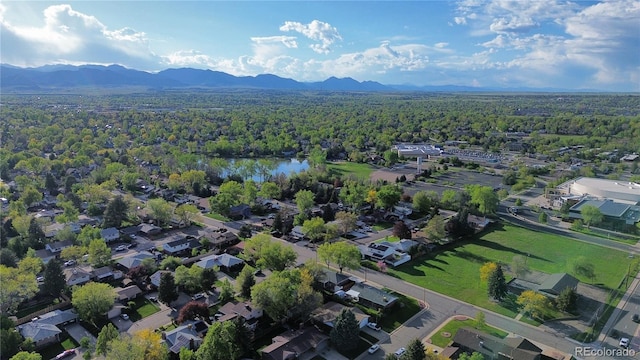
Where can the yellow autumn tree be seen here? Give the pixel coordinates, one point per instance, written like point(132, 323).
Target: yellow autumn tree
point(486, 270)
point(533, 303)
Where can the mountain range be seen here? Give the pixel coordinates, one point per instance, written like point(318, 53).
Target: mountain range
point(52, 77)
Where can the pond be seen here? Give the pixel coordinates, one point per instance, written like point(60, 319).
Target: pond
point(262, 169)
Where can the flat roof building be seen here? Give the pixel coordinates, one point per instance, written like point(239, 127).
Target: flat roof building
point(617, 190)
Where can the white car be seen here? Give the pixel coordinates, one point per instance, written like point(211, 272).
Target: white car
point(197, 296)
point(400, 351)
point(624, 342)
point(373, 348)
point(121, 248)
point(124, 316)
point(374, 326)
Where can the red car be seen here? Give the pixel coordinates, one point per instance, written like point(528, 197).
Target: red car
point(66, 353)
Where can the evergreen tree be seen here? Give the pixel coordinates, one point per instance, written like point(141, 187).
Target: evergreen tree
point(116, 212)
point(54, 279)
point(346, 331)
point(567, 300)
point(167, 292)
point(208, 277)
point(497, 285)
point(415, 351)
point(107, 334)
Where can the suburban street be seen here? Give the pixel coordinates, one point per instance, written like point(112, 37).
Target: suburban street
point(440, 307)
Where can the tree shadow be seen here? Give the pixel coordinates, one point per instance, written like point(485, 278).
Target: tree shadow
point(499, 247)
point(467, 255)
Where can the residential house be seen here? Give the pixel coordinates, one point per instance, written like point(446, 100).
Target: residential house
point(53, 229)
point(377, 250)
point(295, 344)
point(149, 229)
point(106, 273)
point(334, 281)
point(110, 234)
point(468, 340)
point(45, 255)
point(371, 297)
point(180, 246)
point(327, 314)
point(44, 330)
point(384, 251)
point(76, 276)
point(405, 245)
point(478, 223)
point(127, 293)
point(223, 261)
point(242, 211)
point(131, 261)
point(250, 313)
point(188, 335)
point(178, 223)
point(154, 279)
point(298, 232)
point(554, 284)
point(57, 246)
point(221, 240)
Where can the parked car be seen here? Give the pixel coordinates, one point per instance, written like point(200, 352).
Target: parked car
point(197, 296)
point(69, 263)
point(124, 316)
point(400, 351)
point(373, 348)
point(121, 248)
point(624, 342)
point(66, 353)
point(153, 298)
point(374, 326)
point(636, 318)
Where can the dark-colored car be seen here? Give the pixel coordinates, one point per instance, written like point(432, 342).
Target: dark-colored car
point(636, 318)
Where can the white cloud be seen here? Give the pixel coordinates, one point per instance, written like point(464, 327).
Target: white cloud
point(317, 31)
point(73, 37)
point(460, 20)
point(514, 24)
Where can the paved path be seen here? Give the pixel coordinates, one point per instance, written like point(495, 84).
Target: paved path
point(161, 318)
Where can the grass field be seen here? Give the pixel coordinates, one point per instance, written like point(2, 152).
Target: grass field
point(346, 169)
point(452, 327)
point(455, 272)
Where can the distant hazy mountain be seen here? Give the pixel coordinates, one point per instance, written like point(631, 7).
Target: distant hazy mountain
point(52, 77)
point(68, 76)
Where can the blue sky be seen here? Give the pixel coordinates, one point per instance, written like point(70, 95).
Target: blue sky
point(487, 43)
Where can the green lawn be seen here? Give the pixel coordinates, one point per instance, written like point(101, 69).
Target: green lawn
point(142, 309)
point(217, 216)
point(346, 169)
point(451, 327)
point(455, 272)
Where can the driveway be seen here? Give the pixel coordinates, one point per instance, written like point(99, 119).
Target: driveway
point(154, 321)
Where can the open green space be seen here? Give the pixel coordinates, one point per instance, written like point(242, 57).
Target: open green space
point(350, 169)
point(142, 309)
point(455, 272)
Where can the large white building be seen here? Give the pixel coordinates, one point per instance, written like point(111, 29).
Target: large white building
point(616, 190)
point(616, 199)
